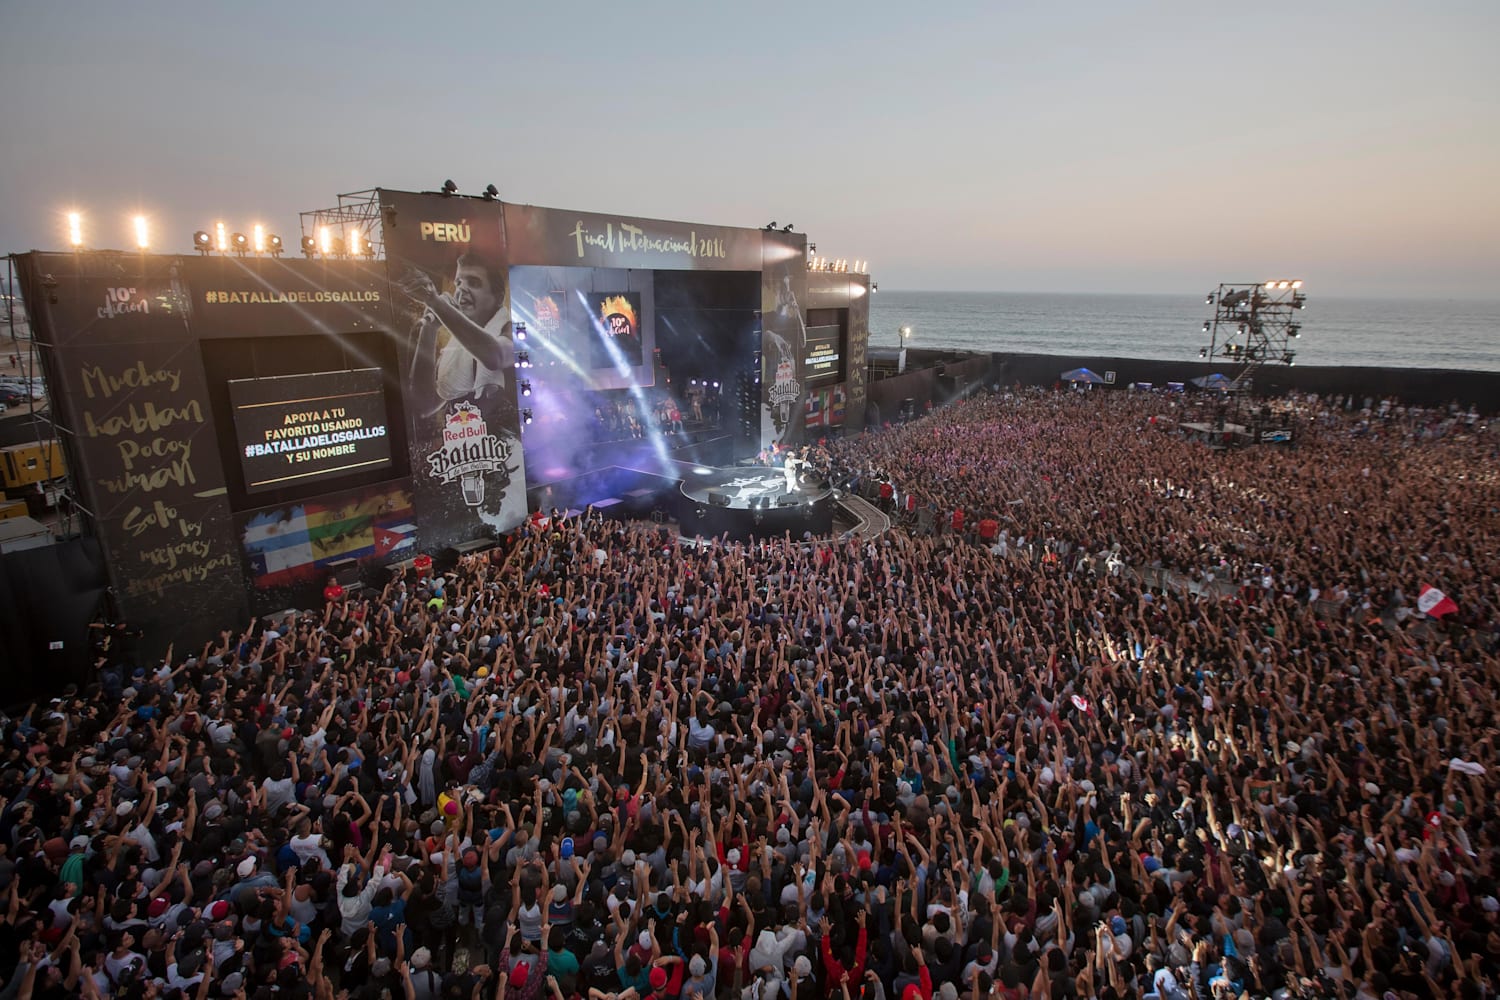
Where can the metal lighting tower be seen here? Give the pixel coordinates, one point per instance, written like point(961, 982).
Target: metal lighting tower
point(1254, 325)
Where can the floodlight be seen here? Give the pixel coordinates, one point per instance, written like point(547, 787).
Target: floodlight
point(273, 244)
point(526, 415)
point(525, 387)
point(241, 243)
point(309, 246)
point(449, 187)
point(520, 331)
point(258, 238)
point(142, 234)
point(325, 240)
point(221, 238)
point(202, 242)
point(491, 193)
point(75, 229)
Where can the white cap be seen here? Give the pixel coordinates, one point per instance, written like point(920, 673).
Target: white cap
point(246, 868)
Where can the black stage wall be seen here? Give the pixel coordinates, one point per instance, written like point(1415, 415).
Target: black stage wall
point(1422, 386)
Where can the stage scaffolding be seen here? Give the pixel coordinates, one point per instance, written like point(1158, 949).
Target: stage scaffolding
point(356, 214)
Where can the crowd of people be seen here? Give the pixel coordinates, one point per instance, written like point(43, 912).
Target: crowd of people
point(1130, 718)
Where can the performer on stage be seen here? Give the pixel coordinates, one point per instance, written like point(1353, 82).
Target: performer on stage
point(793, 466)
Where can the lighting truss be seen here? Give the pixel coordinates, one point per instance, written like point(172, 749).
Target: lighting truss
point(357, 212)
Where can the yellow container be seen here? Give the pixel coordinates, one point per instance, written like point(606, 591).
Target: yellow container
point(36, 462)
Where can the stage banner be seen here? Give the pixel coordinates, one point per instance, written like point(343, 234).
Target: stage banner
point(555, 237)
point(783, 288)
point(277, 297)
point(130, 396)
point(288, 548)
point(857, 349)
point(448, 266)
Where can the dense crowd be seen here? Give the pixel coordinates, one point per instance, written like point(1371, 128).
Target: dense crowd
point(1120, 717)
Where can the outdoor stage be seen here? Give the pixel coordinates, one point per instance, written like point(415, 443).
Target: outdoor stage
point(751, 502)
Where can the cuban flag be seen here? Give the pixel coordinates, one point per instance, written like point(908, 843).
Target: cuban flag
point(394, 538)
point(1434, 603)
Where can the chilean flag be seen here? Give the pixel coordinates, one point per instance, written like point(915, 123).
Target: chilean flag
point(1435, 603)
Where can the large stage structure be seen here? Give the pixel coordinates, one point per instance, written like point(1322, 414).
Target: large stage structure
point(241, 427)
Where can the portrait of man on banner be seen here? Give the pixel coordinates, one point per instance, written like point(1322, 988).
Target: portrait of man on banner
point(460, 387)
point(465, 347)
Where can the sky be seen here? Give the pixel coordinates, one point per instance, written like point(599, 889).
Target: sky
point(1091, 146)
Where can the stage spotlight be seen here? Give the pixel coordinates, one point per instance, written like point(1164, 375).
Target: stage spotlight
point(1286, 358)
point(75, 230)
point(526, 415)
point(716, 385)
point(1293, 329)
point(142, 234)
point(520, 331)
point(771, 224)
point(309, 246)
point(874, 287)
point(786, 228)
point(523, 359)
point(1209, 298)
point(1296, 285)
point(1206, 326)
point(241, 243)
point(221, 237)
point(449, 187)
point(1299, 301)
point(273, 244)
point(812, 248)
point(491, 193)
point(355, 242)
point(202, 242)
point(325, 240)
point(1202, 352)
point(525, 387)
point(258, 238)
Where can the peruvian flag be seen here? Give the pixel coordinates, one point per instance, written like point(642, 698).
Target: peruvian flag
point(1433, 602)
point(1082, 704)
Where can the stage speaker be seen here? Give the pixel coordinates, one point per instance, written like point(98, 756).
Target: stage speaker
point(718, 498)
point(345, 571)
point(473, 547)
point(787, 500)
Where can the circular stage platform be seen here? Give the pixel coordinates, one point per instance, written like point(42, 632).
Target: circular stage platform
point(751, 502)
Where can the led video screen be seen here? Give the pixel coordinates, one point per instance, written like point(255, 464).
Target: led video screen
point(297, 429)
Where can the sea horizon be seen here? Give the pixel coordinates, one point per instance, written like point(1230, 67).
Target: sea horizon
point(1384, 332)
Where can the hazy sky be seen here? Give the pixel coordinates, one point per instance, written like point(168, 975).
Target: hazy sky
point(1085, 146)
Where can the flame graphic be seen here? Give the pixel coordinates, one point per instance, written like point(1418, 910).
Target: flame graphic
point(619, 304)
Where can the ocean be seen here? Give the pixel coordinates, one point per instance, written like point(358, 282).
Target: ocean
point(1399, 333)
